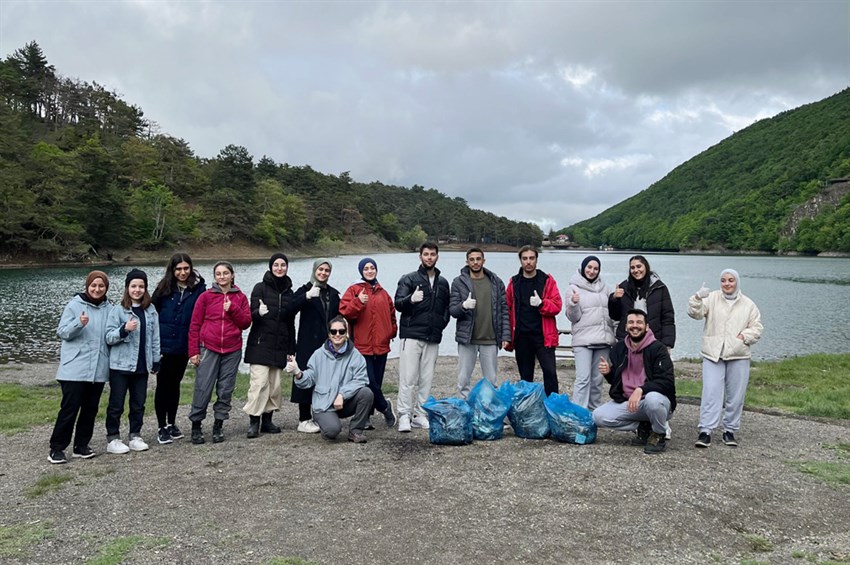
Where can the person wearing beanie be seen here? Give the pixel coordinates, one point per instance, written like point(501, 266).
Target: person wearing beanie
point(732, 325)
point(132, 332)
point(371, 316)
point(83, 368)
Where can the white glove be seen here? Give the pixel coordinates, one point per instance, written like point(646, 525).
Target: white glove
point(703, 291)
point(314, 292)
point(263, 309)
point(292, 367)
point(535, 300)
point(469, 303)
point(417, 296)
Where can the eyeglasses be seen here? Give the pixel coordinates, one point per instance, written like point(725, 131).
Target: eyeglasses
point(336, 332)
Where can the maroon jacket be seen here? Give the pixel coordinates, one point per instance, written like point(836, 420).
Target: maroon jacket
point(373, 324)
point(215, 329)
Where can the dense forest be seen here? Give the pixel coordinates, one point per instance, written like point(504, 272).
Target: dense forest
point(82, 172)
point(774, 186)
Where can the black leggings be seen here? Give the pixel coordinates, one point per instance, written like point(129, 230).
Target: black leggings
point(167, 396)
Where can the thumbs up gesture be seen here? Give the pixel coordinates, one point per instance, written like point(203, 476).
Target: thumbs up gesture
point(604, 367)
point(417, 296)
point(363, 296)
point(618, 292)
point(131, 324)
point(84, 319)
point(535, 300)
point(575, 297)
point(703, 291)
point(263, 309)
point(469, 303)
point(314, 292)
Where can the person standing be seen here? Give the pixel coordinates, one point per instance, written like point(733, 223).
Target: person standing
point(732, 326)
point(371, 315)
point(644, 290)
point(174, 300)
point(592, 330)
point(422, 297)
point(83, 368)
point(533, 303)
point(479, 303)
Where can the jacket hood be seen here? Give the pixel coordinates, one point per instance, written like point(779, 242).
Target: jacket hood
point(217, 289)
point(648, 339)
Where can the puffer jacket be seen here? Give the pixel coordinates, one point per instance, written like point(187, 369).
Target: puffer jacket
point(549, 308)
point(333, 374)
point(124, 346)
point(84, 355)
point(724, 320)
point(175, 316)
point(424, 320)
point(657, 367)
point(272, 337)
point(659, 310)
point(591, 324)
point(461, 289)
point(313, 322)
point(215, 329)
point(373, 324)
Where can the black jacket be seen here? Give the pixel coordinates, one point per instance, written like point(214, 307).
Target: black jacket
point(312, 330)
point(659, 310)
point(424, 320)
point(656, 364)
point(272, 337)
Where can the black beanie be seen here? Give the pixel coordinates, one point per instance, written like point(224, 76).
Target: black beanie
point(135, 274)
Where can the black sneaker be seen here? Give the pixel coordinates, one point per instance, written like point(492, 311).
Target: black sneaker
point(729, 439)
point(642, 433)
point(163, 436)
point(57, 456)
point(389, 415)
point(175, 432)
point(84, 452)
point(704, 440)
point(655, 443)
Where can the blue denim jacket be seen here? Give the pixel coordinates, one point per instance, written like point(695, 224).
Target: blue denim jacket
point(124, 350)
point(84, 355)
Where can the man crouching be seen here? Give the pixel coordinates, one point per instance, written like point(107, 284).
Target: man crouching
point(643, 387)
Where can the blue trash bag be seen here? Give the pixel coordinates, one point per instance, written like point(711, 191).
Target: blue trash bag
point(528, 413)
point(569, 422)
point(489, 408)
point(451, 421)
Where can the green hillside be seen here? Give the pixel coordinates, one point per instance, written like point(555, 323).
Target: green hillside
point(765, 188)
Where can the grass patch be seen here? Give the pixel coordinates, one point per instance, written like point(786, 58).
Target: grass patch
point(289, 561)
point(48, 483)
point(117, 550)
point(16, 541)
point(814, 385)
point(831, 473)
point(758, 543)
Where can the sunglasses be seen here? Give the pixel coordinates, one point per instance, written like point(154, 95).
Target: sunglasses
point(336, 332)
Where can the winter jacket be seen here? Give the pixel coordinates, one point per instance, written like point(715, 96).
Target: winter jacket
point(84, 353)
point(657, 366)
point(373, 324)
point(590, 320)
point(124, 345)
point(724, 320)
point(272, 337)
point(313, 323)
point(424, 320)
point(659, 310)
point(175, 316)
point(215, 329)
point(331, 375)
point(461, 289)
point(549, 308)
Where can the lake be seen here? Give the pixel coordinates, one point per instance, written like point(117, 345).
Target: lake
point(803, 300)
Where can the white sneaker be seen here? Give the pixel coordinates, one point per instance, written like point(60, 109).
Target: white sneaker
point(308, 427)
point(117, 446)
point(138, 444)
point(420, 421)
point(404, 423)
point(669, 433)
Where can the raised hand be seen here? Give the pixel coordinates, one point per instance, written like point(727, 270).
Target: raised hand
point(703, 291)
point(604, 367)
point(263, 309)
point(226, 303)
point(84, 319)
point(363, 296)
point(575, 297)
point(131, 324)
point(618, 292)
point(535, 300)
point(417, 296)
point(314, 292)
point(469, 303)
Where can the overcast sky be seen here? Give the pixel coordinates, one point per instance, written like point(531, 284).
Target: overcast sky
point(542, 111)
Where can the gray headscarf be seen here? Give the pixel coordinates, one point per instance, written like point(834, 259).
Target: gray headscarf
point(313, 278)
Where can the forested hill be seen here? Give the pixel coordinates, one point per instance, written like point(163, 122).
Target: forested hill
point(774, 186)
point(82, 172)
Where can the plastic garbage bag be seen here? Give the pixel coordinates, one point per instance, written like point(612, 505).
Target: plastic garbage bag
point(569, 422)
point(489, 408)
point(451, 421)
point(528, 413)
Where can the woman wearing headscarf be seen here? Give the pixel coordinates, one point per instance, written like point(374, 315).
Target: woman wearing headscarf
point(592, 330)
point(318, 303)
point(270, 341)
point(371, 315)
point(83, 368)
point(732, 325)
point(643, 290)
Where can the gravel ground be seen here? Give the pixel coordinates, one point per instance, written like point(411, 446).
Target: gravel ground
point(400, 499)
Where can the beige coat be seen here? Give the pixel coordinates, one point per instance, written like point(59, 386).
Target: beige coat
point(724, 320)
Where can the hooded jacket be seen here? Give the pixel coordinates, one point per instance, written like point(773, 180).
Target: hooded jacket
point(333, 374)
point(590, 322)
point(659, 309)
point(724, 320)
point(549, 308)
point(175, 316)
point(657, 366)
point(215, 329)
point(424, 320)
point(84, 354)
point(272, 337)
point(461, 288)
point(373, 324)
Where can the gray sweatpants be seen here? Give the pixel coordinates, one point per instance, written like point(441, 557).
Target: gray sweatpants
point(653, 408)
point(416, 363)
point(466, 357)
point(358, 407)
point(723, 380)
point(215, 371)
point(587, 389)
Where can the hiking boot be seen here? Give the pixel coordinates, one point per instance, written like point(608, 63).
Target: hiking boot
point(369, 425)
point(389, 415)
point(218, 431)
point(174, 432)
point(197, 433)
point(308, 427)
point(57, 457)
point(420, 421)
point(137, 444)
point(404, 423)
point(267, 426)
point(357, 437)
point(655, 444)
point(642, 433)
point(253, 427)
point(163, 436)
point(729, 439)
point(117, 447)
point(83, 452)
point(704, 440)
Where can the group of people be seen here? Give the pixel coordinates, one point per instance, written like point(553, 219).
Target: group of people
point(337, 358)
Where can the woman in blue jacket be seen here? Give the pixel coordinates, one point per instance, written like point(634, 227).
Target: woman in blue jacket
point(83, 368)
point(174, 300)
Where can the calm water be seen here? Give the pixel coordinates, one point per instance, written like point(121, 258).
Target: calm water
point(803, 301)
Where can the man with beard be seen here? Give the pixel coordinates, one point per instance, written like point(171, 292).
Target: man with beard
point(479, 304)
point(643, 388)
